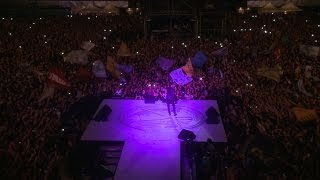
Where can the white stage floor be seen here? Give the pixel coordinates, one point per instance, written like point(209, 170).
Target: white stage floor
point(152, 149)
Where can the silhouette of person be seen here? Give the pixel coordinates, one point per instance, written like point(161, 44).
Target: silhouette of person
point(170, 99)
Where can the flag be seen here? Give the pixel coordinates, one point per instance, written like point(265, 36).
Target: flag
point(77, 57)
point(312, 51)
point(188, 69)
point(180, 77)
point(125, 68)
point(221, 74)
point(199, 59)
point(271, 73)
point(56, 77)
point(221, 52)
point(308, 74)
point(277, 53)
point(86, 45)
point(83, 73)
point(48, 92)
point(123, 50)
point(304, 115)
point(111, 67)
point(98, 69)
point(165, 63)
point(302, 88)
point(211, 70)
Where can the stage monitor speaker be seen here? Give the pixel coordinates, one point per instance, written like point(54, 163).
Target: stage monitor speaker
point(103, 113)
point(149, 100)
point(212, 116)
point(186, 135)
point(104, 172)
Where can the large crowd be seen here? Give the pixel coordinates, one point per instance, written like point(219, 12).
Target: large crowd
point(264, 139)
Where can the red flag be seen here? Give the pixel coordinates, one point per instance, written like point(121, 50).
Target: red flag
point(277, 53)
point(83, 74)
point(56, 77)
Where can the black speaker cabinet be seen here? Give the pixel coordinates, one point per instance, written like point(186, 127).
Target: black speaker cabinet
point(212, 116)
point(186, 135)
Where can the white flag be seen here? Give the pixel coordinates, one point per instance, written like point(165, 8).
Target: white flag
point(98, 69)
point(180, 77)
point(86, 45)
point(310, 50)
point(48, 92)
point(77, 57)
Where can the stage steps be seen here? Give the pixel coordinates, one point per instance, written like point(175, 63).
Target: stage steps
point(105, 157)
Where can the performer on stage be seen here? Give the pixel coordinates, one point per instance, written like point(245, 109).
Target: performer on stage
point(170, 99)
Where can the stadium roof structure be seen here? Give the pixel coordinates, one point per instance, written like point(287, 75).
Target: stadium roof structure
point(279, 3)
point(289, 7)
point(268, 8)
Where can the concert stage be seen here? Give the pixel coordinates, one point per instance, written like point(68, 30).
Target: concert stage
point(151, 147)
